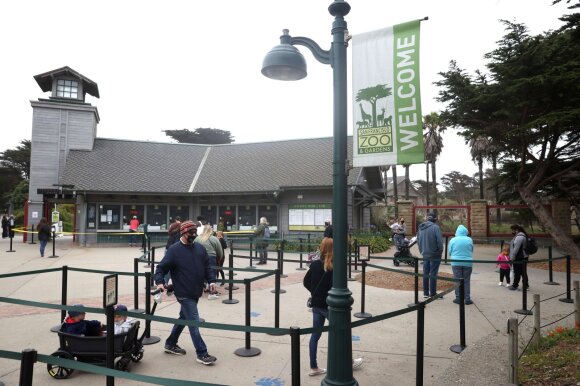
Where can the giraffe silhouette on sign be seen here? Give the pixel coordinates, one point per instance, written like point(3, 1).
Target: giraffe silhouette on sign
point(367, 118)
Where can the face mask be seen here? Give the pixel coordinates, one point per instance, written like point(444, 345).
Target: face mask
point(190, 238)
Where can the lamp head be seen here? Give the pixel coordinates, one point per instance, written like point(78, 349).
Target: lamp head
point(284, 62)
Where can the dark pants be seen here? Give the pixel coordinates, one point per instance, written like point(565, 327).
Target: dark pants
point(430, 271)
point(460, 272)
point(520, 270)
point(504, 273)
point(188, 312)
point(42, 247)
point(319, 315)
point(262, 253)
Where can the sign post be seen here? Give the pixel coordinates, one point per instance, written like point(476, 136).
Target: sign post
point(110, 291)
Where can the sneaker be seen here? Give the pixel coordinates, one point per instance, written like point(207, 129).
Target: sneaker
point(207, 359)
point(175, 350)
point(468, 302)
point(425, 296)
point(213, 296)
point(512, 288)
point(437, 296)
point(457, 301)
point(500, 283)
point(356, 363)
point(312, 373)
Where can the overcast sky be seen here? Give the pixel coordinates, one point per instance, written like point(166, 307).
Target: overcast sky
point(189, 64)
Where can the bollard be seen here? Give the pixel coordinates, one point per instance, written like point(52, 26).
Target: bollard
point(295, 355)
point(568, 298)
point(110, 341)
point(11, 237)
point(277, 278)
point(458, 348)
point(27, 362)
point(577, 295)
point(420, 344)
point(362, 313)
point(536, 336)
point(248, 351)
point(416, 268)
point(148, 339)
point(513, 350)
point(300, 268)
point(231, 285)
point(251, 254)
point(550, 271)
point(136, 286)
point(446, 242)
point(53, 244)
point(524, 310)
point(276, 303)
point(32, 234)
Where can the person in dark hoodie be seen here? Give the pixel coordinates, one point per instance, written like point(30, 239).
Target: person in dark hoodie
point(75, 323)
point(518, 254)
point(430, 243)
point(460, 249)
point(188, 264)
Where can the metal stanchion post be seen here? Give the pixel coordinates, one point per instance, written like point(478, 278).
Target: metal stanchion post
point(458, 348)
point(11, 237)
point(247, 350)
point(148, 339)
point(513, 350)
point(276, 303)
point(577, 302)
point(231, 286)
point(350, 278)
point(446, 242)
point(550, 271)
point(27, 362)
point(536, 336)
point(278, 276)
point(568, 298)
point(281, 262)
point(362, 313)
point(152, 267)
point(32, 234)
point(251, 254)
point(524, 310)
point(63, 297)
point(300, 268)
point(355, 249)
point(416, 268)
point(420, 344)
point(110, 357)
point(136, 286)
point(53, 244)
point(295, 354)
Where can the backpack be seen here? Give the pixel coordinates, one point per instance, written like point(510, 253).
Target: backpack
point(531, 246)
point(266, 232)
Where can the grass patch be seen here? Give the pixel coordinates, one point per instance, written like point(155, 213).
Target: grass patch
point(555, 362)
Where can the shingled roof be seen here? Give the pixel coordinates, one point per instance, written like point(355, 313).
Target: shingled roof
point(152, 167)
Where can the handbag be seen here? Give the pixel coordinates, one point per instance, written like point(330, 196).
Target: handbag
point(309, 301)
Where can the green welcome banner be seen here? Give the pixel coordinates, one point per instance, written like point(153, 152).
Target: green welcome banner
point(387, 119)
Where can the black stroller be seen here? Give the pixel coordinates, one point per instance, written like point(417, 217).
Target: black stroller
point(403, 254)
point(93, 349)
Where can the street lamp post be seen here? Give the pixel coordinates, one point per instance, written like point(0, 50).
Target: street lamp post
point(285, 62)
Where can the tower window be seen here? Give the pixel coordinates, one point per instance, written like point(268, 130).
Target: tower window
point(67, 89)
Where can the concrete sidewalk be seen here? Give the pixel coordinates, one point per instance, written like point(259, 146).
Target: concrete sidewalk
point(388, 347)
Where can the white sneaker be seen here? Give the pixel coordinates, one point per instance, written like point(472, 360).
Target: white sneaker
point(500, 283)
point(356, 363)
point(213, 297)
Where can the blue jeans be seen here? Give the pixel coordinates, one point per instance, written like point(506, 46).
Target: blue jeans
point(42, 247)
point(430, 268)
point(132, 238)
point(188, 312)
point(464, 273)
point(319, 315)
point(212, 263)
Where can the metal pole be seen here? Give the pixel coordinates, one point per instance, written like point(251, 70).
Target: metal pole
point(416, 268)
point(355, 249)
point(64, 286)
point(524, 310)
point(231, 286)
point(446, 242)
point(281, 260)
point(513, 350)
point(148, 339)
point(276, 292)
point(251, 253)
point(301, 252)
point(501, 245)
point(278, 276)
point(577, 302)
point(32, 234)
point(536, 337)
point(461, 346)
point(362, 313)
point(53, 244)
point(295, 354)
point(27, 366)
point(136, 285)
point(11, 236)
point(420, 344)
point(568, 298)
point(550, 270)
point(247, 350)
point(110, 358)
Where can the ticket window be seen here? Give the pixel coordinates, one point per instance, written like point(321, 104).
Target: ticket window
point(109, 217)
point(129, 211)
point(227, 214)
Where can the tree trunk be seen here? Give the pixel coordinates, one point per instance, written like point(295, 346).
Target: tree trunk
point(395, 190)
point(563, 241)
point(496, 187)
point(434, 175)
point(407, 182)
point(427, 185)
point(480, 165)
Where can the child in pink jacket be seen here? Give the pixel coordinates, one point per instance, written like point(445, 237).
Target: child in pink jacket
point(503, 260)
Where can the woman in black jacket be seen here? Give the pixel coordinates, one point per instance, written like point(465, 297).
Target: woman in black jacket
point(318, 280)
point(43, 230)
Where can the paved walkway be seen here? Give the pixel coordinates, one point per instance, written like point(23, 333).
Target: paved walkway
point(388, 347)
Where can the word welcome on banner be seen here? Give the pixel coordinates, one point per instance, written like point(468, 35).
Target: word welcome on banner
point(387, 117)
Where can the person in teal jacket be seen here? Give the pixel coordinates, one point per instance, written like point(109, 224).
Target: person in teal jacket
point(461, 248)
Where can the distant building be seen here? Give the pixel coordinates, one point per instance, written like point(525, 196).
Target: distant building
point(111, 180)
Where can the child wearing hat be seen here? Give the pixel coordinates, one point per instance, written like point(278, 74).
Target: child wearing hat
point(75, 323)
point(122, 322)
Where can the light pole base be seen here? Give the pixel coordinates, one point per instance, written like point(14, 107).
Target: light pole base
point(524, 312)
point(362, 315)
point(248, 352)
point(457, 348)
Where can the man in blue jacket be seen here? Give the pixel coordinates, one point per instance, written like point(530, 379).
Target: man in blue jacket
point(430, 242)
point(189, 266)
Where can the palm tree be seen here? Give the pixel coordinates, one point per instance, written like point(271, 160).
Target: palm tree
point(407, 181)
point(395, 190)
point(433, 142)
point(479, 150)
